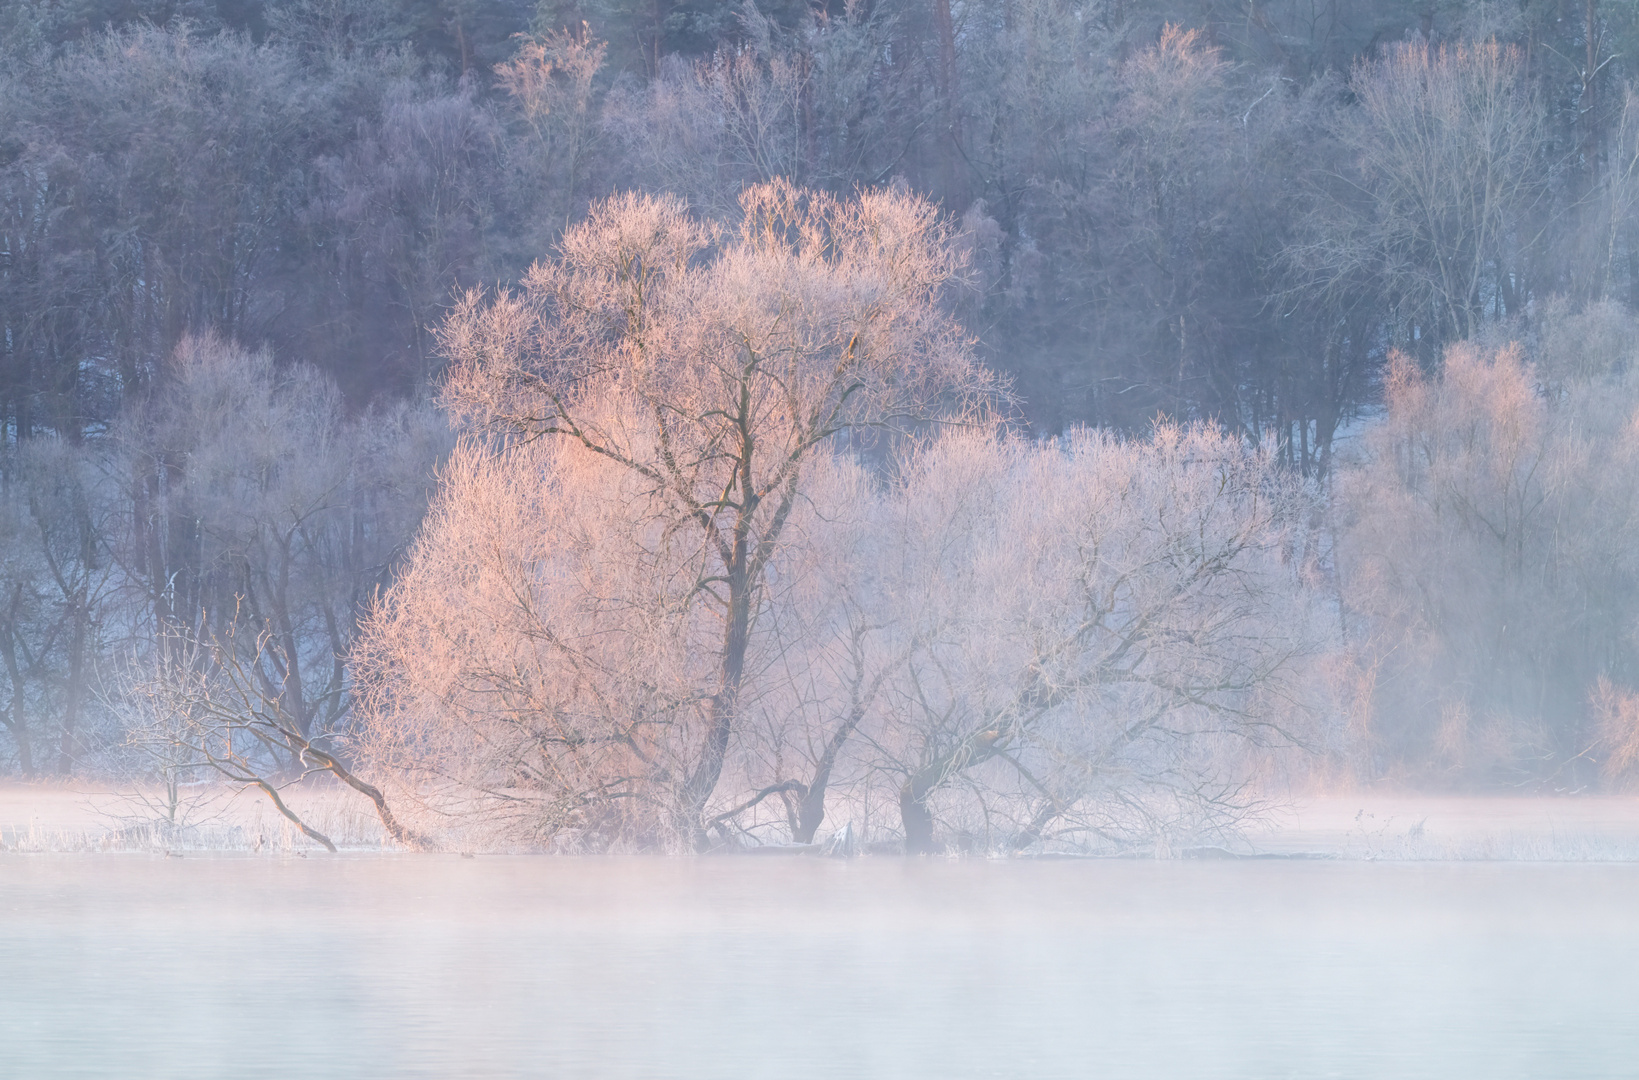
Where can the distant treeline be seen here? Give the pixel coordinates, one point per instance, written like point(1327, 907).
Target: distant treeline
point(1235, 218)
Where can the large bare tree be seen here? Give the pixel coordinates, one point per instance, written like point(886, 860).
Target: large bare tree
point(693, 374)
point(1107, 628)
point(1440, 211)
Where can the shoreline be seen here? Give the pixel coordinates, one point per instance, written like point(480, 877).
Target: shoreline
point(59, 817)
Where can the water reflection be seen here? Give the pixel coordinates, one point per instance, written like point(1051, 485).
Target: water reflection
point(446, 968)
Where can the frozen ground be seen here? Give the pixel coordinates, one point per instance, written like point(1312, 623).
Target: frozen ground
point(87, 817)
point(1375, 825)
point(1367, 825)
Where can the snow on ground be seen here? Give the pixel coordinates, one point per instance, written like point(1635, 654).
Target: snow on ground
point(83, 816)
point(1366, 825)
point(1374, 825)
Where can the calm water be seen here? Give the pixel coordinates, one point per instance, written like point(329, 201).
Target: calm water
point(134, 967)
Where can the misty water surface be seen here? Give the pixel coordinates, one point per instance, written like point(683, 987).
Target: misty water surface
point(443, 967)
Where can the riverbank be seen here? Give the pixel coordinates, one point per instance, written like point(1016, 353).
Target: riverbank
point(46, 816)
point(77, 816)
point(1377, 825)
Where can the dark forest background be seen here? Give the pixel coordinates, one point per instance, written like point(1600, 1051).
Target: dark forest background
point(1230, 227)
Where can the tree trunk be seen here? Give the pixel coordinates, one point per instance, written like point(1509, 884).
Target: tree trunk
point(699, 785)
point(395, 829)
point(76, 686)
point(946, 28)
point(15, 720)
point(913, 795)
point(25, 753)
point(811, 811)
point(914, 813)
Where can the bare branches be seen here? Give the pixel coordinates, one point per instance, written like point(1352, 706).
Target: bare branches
point(201, 706)
point(1104, 618)
point(654, 400)
point(1448, 147)
point(1485, 554)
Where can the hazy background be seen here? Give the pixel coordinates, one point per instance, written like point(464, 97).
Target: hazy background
point(1384, 254)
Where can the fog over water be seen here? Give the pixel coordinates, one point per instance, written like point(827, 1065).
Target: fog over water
point(512, 967)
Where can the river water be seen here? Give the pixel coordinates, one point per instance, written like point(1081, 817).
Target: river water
point(136, 967)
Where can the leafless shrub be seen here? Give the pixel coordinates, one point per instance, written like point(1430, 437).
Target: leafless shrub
point(202, 709)
point(1573, 347)
point(1108, 627)
point(1616, 713)
point(821, 107)
point(550, 80)
point(1485, 553)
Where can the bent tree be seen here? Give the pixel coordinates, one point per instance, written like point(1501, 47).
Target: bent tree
point(689, 374)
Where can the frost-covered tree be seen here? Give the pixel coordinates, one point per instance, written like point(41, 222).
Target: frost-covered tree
point(1486, 558)
point(1448, 172)
point(1107, 631)
point(58, 514)
point(265, 517)
point(1000, 641)
point(691, 376)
